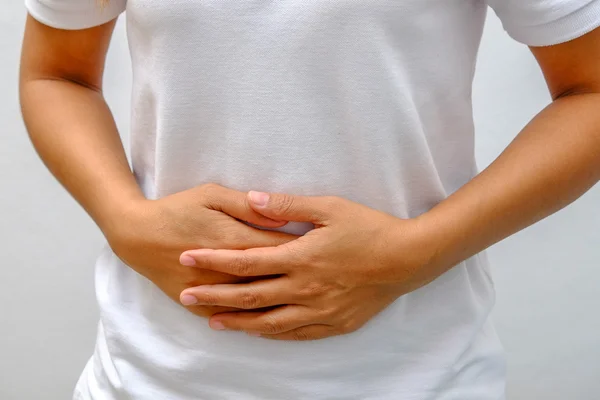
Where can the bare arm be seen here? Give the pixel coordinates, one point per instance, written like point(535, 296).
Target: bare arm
point(74, 133)
point(68, 120)
point(552, 162)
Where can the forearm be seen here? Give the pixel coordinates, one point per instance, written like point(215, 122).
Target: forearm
point(551, 163)
point(73, 131)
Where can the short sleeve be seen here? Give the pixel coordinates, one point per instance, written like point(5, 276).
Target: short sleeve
point(547, 22)
point(74, 14)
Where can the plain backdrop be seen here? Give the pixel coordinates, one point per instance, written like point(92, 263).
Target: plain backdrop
point(546, 276)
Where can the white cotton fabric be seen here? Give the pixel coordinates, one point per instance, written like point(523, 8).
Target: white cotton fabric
point(369, 100)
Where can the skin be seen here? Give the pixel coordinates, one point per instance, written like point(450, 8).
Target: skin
point(74, 133)
point(357, 260)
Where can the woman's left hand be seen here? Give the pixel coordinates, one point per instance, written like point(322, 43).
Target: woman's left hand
point(328, 282)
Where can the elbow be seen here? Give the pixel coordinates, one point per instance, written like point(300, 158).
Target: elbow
point(576, 90)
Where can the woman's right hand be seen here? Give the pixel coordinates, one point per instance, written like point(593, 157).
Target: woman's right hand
point(152, 235)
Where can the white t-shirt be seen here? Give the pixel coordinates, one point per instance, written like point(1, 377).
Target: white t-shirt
point(369, 100)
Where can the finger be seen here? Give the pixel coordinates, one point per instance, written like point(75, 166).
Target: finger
point(279, 206)
point(247, 296)
point(246, 237)
point(304, 333)
point(272, 322)
point(235, 204)
point(251, 262)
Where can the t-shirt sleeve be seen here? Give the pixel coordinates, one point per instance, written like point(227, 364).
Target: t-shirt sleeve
point(74, 14)
point(547, 22)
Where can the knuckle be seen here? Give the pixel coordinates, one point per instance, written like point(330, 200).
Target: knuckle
point(301, 334)
point(241, 266)
point(209, 187)
point(272, 326)
point(313, 289)
point(326, 313)
point(285, 204)
point(249, 300)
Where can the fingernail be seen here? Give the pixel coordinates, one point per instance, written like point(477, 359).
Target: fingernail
point(255, 334)
point(259, 198)
point(186, 260)
point(188, 300)
point(217, 325)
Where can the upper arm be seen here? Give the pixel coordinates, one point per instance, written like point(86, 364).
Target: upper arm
point(571, 67)
point(68, 39)
point(74, 55)
point(562, 35)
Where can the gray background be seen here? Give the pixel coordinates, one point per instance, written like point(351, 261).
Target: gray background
point(546, 276)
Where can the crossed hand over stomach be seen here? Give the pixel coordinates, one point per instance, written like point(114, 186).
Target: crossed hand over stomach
point(330, 281)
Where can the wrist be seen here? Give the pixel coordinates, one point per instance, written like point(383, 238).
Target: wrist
point(122, 217)
point(445, 230)
point(414, 257)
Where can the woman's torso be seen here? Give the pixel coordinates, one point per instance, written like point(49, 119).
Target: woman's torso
point(369, 100)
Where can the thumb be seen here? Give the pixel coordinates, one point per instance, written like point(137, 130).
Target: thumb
point(285, 207)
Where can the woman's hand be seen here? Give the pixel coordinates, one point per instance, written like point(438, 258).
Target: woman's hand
point(328, 282)
point(153, 234)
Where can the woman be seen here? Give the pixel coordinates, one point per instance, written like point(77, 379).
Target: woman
point(303, 218)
